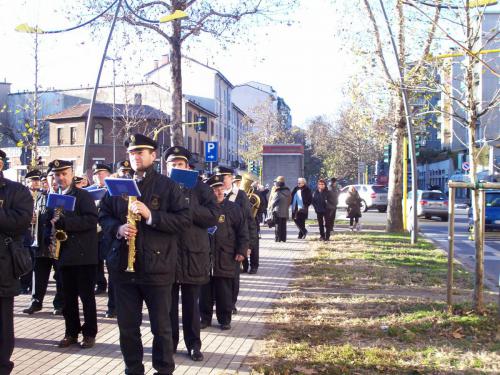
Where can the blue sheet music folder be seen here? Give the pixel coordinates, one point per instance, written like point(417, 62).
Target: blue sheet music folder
point(66, 202)
point(97, 194)
point(119, 187)
point(184, 177)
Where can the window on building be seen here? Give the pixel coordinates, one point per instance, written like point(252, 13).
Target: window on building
point(72, 131)
point(98, 134)
point(212, 128)
point(60, 139)
point(138, 99)
point(190, 116)
point(190, 144)
point(202, 149)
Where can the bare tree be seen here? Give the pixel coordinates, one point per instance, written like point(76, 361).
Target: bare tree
point(225, 21)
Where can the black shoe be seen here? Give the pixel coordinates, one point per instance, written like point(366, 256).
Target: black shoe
point(57, 312)
point(234, 311)
point(196, 355)
point(300, 236)
point(67, 341)
point(26, 291)
point(304, 235)
point(110, 314)
point(33, 308)
point(225, 327)
point(252, 271)
point(87, 342)
point(99, 291)
point(204, 325)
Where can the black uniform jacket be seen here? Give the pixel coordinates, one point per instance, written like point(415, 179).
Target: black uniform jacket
point(42, 250)
point(81, 227)
point(156, 244)
point(193, 258)
point(16, 210)
point(230, 239)
point(244, 203)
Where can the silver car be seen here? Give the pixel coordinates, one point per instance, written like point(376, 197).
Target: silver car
point(429, 203)
point(373, 196)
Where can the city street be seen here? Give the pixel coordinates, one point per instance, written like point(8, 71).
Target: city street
point(437, 231)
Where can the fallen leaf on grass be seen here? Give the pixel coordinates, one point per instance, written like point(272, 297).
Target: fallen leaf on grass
point(457, 335)
point(305, 370)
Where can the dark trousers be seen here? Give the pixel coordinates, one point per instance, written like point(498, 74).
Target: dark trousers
point(353, 220)
point(300, 222)
point(43, 266)
point(6, 334)
point(129, 301)
point(330, 221)
point(79, 281)
point(321, 222)
point(111, 295)
point(27, 280)
point(280, 229)
point(101, 282)
point(220, 290)
point(236, 285)
point(253, 260)
point(190, 315)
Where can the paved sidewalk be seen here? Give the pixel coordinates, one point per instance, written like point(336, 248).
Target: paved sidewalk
point(224, 351)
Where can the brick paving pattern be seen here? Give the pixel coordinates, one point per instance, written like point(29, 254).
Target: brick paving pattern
point(36, 335)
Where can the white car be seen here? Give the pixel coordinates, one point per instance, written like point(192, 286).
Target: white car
point(373, 196)
point(429, 203)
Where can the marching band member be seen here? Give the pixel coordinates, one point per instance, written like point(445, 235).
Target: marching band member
point(164, 213)
point(123, 169)
point(193, 256)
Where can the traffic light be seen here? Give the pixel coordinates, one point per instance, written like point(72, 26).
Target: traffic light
point(201, 127)
point(417, 145)
point(387, 154)
point(253, 167)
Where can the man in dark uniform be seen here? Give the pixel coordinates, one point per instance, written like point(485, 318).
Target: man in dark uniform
point(164, 213)
point(229, 245)
point(44, 260)
point(331, 207)
point(32, 181)
point(193, 257)
point(233, 194)
point(123, 169)
point(77, 258)
point(16, 210)
point(100, 172)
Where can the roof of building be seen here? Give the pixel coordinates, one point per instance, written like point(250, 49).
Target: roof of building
point(105, 110)
point(204, 104)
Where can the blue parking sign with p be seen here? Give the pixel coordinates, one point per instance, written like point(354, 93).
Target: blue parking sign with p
point(211, 151)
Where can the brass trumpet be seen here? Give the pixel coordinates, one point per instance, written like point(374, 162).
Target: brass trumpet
point(247, 179)
point(132, 220)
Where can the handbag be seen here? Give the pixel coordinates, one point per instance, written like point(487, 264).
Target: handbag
point(21, 257)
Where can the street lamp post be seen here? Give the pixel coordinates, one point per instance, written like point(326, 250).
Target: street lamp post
point(113, 131)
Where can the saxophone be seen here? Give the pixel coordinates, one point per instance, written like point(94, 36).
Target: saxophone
point(132, 221)
point(34, 222)
point(58, 235)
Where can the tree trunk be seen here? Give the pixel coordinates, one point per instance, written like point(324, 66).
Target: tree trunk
point(176, 75)
point(395, 194)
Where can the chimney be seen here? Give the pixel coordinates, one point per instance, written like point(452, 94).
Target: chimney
point(155, 64)
point(164, 59)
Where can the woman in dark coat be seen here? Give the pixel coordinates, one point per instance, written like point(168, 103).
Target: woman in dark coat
point(320, 202)
point(279, 201)
point(301, 200)
point(353, 202)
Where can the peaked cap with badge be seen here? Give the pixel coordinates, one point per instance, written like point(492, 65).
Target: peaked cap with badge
point(33, 175)
point(99, 167)
point(77, 179)
point(177, 152)
point(59, 165)
point(237, 178)
point(140, 141)
point(221, 170)
point(215, 180)
point(123, 165)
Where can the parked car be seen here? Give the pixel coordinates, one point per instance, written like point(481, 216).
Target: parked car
point(373, 196)
point(492, 212)
point(429, 203)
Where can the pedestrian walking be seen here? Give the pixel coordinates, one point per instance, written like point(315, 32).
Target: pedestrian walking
point(320, 202)
point(331, 207)
point(301, 200)
point(353, 202)
point(279, 203)
point(16, 211)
